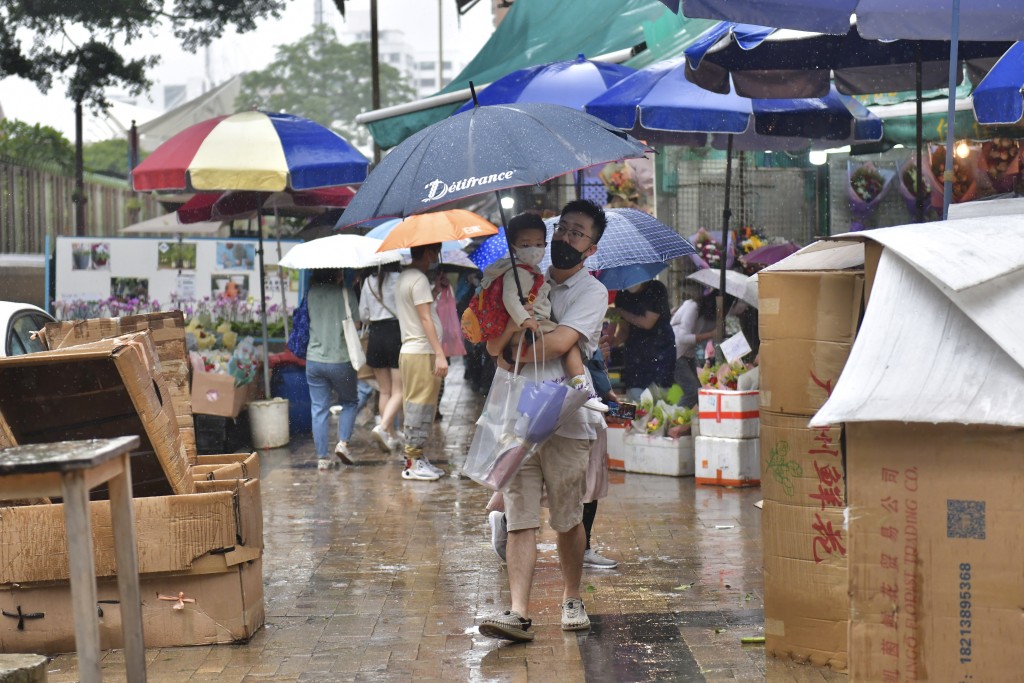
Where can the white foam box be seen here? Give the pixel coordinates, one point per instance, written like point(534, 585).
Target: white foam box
point(729, 414)
point(616, 447)
point(727, 462)
point(646, 454)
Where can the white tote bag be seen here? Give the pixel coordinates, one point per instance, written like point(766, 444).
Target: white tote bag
point(356, 356)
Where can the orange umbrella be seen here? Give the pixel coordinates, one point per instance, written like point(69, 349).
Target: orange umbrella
point(437, 226)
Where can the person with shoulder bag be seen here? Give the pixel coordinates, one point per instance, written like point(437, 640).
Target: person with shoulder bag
point(333, 356)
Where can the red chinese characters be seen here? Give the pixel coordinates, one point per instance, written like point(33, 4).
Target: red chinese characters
point(828, 540)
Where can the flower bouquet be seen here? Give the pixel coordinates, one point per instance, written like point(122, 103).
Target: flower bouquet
point(680, 422)
point(910, 180)
point(1000, 160)
point(867, 188)
point(620, 183)
point(721, 375)
point(965, 185)
point(708, 249)
point(747, 239)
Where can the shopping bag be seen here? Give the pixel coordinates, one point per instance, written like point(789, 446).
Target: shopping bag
point(495, 429)
point(451, 327)
point(539, 407)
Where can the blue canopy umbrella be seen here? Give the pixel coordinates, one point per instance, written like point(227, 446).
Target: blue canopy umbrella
point(768, 62)
point(570, 83)
point(997, 99)
point(881, 19)
point(658, 103)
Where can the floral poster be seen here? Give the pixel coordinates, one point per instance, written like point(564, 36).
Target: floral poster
point(229, 286)
point(90, 256)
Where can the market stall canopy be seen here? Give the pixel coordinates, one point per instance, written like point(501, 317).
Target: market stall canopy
point(536, 32)
point(168, 223)
point(998, 99)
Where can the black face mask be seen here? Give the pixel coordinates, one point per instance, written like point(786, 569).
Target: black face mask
point(564, 256)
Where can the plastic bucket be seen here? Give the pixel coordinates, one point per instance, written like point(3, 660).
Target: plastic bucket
point(268, 422)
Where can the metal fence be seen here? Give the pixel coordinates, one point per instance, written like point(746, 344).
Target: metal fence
point(35, 202)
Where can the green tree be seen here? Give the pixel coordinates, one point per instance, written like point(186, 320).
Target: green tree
point(35, 145)
point(108, 156)
point(323, 80)
point(77, 41)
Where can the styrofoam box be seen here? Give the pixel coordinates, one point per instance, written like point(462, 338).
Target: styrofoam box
point(727, 462)
point(658, 455)
point(730, 414)
point(616, 447)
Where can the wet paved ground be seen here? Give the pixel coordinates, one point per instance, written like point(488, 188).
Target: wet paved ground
point(372, 578)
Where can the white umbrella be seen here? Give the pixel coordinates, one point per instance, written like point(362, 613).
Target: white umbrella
point(338, 251)
point(168, 223)
point(735, 283)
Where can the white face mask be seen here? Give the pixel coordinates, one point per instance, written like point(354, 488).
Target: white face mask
point(531, 256)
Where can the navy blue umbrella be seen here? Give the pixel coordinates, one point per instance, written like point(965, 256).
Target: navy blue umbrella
point(767, 62)
point(658, 103)
point(486, 149)
point(571, 83)
point(884, 20)
point(997, 99)
point(771, 62)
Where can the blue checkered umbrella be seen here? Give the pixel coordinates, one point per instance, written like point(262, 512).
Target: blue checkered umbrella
point(492, 249)
point(634, 248)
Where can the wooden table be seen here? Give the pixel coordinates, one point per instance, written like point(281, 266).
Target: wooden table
point(70, 469)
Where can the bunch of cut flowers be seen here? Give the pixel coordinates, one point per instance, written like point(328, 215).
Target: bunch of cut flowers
point(867, 182)
point(656, 416)
point(721, 375)
point(707, 248)
point(748, 239)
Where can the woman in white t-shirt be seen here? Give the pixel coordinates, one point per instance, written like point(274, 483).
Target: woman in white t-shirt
point(377, 305)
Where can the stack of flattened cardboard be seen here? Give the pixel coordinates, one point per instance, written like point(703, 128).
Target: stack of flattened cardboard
point(808, 321)
point(931, 402)
point(199, 523)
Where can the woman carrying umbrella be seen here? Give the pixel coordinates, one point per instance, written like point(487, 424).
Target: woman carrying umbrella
point(327, 362)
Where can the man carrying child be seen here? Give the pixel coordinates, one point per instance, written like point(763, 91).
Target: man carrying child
point(578, 306)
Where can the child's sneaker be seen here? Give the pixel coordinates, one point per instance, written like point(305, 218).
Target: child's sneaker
point(419, 470)
point(579, 383)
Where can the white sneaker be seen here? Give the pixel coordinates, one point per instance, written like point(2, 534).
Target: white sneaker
point(595, 561)
point(420, 471)
point(499, 533)
point(579, 383)
point(574, 615)
point(335, 410)
point(384, 442)
point(323, 464)
point(341, 450)
point(434, 468)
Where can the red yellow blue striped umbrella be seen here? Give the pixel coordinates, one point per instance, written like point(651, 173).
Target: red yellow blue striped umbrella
point(255, 151)
point(258, 152)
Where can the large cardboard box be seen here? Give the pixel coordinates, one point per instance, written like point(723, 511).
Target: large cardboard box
point(805, 541)
point(168, 334)
point(215, 393)
point(806, 606)
point(822, 305)
point(101, 389)
point(936, 552)
point(173, 533)
point(220, 607)
point(798, 375)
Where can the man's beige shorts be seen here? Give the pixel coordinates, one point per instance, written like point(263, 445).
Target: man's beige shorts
point(560, 468)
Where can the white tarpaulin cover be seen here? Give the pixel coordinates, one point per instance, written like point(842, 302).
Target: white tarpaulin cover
point(940, 341)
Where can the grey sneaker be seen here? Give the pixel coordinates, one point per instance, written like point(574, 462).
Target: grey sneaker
point(499, 532)
point(574, 615)
point(595, 561)
point(434, 468)
point(507, 626)
point(341, 450)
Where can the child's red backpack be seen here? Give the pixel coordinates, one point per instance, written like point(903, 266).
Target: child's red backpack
point(486, 318)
